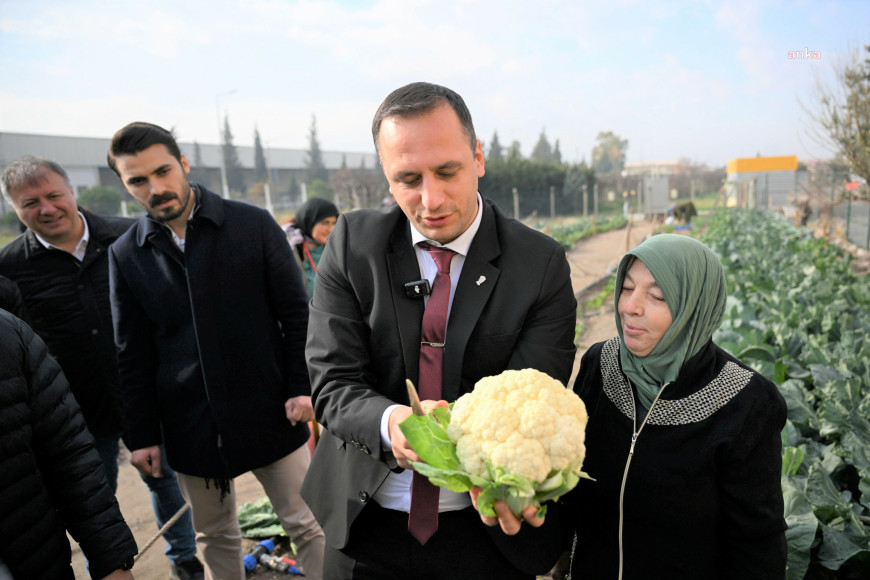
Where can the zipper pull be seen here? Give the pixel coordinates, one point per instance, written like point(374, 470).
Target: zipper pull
point(633, 441)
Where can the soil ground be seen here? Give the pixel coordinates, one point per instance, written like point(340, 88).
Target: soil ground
point(591, 260)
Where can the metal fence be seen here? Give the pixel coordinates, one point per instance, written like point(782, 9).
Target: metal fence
point(855, 216)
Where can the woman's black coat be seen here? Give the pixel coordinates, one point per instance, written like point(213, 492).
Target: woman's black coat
point(702, 492)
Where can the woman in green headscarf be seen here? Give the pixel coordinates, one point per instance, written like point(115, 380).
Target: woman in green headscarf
point(683, 440)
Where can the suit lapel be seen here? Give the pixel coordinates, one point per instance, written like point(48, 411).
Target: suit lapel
point(402, 267)
point(470, 299)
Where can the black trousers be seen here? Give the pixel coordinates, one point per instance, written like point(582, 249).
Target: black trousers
point(381, 548)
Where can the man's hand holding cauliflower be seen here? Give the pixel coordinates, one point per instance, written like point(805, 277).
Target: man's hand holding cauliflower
point(515, 442)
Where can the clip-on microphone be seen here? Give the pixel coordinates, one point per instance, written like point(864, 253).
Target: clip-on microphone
point(417, 289)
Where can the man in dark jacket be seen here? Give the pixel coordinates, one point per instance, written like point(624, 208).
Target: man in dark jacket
point(52, 480)
point(60, 264)
point(210, 314)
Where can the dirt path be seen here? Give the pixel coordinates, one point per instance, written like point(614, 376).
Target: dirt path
point(591, 260)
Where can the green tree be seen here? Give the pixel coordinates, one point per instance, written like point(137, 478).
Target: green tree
point(318, 188)
point(101, 199)
point(532, 179)
point(261, 172)
point(314, 167)
point(578, 177)
point(557, 155)
point(608, 156)
point(235, 178)
point(9, 221)
point(293, 187)
point(514, 153)
point(542, 151)
point(197, 171)
point(495, 153)
point(842, 112)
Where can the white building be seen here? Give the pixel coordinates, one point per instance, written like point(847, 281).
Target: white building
point(84, 158)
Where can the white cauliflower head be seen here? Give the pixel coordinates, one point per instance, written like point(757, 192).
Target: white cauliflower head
point(524, 421)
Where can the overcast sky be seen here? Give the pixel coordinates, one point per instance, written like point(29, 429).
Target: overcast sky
point(710, 81)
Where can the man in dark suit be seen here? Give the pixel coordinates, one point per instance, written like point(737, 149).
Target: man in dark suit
point(511, 307)
point(210, 315)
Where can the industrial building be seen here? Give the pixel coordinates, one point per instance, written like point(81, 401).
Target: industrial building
point(84, 158)
point(764, 182)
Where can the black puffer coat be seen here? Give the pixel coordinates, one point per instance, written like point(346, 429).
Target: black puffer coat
point(51, 477)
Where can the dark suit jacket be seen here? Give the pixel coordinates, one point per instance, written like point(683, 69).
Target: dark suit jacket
point(364, 339)
point(211, 341)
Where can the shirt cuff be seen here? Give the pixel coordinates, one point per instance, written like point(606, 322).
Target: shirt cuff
point(385, 427)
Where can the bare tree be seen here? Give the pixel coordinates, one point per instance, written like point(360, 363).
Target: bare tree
point(358, 188)
point(841, 112)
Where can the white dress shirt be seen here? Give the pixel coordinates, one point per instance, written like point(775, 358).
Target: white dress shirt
point(395, 493)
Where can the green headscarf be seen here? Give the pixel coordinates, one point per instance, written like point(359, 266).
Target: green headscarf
point(692, 280)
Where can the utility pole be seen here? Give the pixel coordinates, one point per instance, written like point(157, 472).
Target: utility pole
point(594, 200)
point(594, 205)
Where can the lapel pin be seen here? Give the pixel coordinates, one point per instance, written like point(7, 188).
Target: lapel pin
point(481, 280)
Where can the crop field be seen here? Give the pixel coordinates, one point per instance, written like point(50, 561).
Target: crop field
point(799, 315)
point(568, 234)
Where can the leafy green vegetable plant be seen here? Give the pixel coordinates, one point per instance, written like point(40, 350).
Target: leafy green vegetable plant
point(428, 437)
point(568, 235)
point(799, 315)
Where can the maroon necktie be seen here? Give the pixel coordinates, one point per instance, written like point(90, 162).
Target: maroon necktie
point(423, 517)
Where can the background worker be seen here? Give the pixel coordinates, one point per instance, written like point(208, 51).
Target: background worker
point(308, 233)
